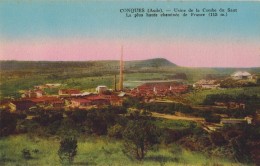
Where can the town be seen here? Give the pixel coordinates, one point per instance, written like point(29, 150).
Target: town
point(153, 91)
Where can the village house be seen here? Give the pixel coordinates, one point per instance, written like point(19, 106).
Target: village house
point(231, 105)
point(48, 101)
point(33, 94)
point(207, 84)
point(98, 100)
point(235, 105)
point(23, 104)
point(80, 102)
point(159, 89)
point(114, 100)
point(227, 121)
point(68, 92)
point(7, 105)
point(239, 75)
point(101, 89)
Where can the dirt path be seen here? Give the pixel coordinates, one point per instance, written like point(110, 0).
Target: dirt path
point(174, 117)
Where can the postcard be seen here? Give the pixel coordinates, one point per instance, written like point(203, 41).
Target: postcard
point(129, 82)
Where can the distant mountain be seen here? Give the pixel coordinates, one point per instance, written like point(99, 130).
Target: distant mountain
point(157, 62)
point(106, 65)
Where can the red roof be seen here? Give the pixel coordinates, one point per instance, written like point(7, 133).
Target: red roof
point(69, 91)
point(80, 100)
point(44, 99)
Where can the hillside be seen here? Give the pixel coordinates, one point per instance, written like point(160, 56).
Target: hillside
point(24, 65)
point(157, 62)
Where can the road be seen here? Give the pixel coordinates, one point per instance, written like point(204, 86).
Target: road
point(174, 117)
point(201, 121)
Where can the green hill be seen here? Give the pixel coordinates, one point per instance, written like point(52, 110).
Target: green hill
point(157, 62)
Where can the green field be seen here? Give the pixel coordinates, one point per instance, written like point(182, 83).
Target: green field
point(173, 124)
point(198, 96)
point(97, 151)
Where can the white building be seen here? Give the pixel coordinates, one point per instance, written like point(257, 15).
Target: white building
point(239, 75)
point(207, 84)
point(101, 89)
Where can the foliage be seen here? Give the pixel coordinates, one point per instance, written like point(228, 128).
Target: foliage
point(225, 98)
point(67, 150)
point(198, 96)
point(115, 131)
point(7, 123)
point(231, 83)
point(139, 136)
point(167, 108)
point(26, 154)
point(210, 117)
point(217, 139)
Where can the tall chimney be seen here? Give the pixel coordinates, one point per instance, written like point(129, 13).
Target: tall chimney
point(115, 83)
point(121, 77)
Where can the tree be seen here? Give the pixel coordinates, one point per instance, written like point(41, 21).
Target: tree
point(139, 136)
point(68, 150)
point(8, 123)
point(115, 131)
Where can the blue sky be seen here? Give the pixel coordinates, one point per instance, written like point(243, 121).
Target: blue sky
point(67, 30)
point(103, 19)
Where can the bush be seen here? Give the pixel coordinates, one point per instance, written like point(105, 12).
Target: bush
point(26, 154)
point(217, 139)
point(68, 150)
point(139, 136)
point(115, 131)
point(7, 123)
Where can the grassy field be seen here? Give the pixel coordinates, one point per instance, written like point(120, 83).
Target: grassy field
point(197, 97)
point(173, 124)
point(97, 151)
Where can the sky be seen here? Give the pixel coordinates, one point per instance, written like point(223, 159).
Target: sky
point(96, 30)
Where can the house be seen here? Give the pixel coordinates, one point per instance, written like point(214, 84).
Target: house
point(207, 84)
point(23, 104)
point(7, 105)
point(101, 89)
point(159, 89)
point(98, 100)
point(239, 75)
point(33, 94)
point(80, 102)
point(121, 94)
point(68, 92)
point(247, 120)
point(235, 105)
point(81, 94)
point(224, 121)
point(114, 100)
point(48, 101)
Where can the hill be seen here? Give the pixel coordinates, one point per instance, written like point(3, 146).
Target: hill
point(24, 65)
point(157, 62)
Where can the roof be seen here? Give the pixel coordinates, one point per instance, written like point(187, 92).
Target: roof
point(70, 91)
point(81, 100)
point(44, 99)
point(94, 97)
point(121, 94)
point(240, 73)
point(101, 86)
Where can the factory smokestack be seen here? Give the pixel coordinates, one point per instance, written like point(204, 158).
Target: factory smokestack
point(115, 83)
point(121, 77)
